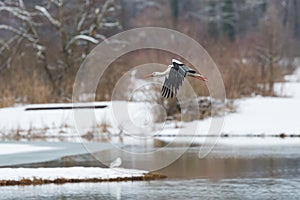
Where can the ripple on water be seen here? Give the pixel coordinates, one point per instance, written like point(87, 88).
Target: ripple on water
point(250, 188)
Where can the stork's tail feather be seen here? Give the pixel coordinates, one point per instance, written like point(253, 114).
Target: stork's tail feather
point(167, 92)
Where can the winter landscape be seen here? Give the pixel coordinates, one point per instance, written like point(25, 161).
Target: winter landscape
point(86, 109)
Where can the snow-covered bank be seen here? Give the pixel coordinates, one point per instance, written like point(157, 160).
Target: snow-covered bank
point(255, 116)
point(47, 122)
point(263, 116)
point(267, 115)
point(270, 119)
point(27, 176)
point(68, 173)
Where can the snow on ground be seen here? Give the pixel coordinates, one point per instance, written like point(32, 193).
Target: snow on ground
point(256, 116)
point(259, 141)
point(18, 118)
point(68, 173)
point(60, 122)
point(266, 115)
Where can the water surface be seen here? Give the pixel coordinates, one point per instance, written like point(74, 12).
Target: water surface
point(229, 172)
point(250, 188)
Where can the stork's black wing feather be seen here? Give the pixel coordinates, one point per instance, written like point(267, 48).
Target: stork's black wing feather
point(187, 69)
point(173, 82)
point(175, 79)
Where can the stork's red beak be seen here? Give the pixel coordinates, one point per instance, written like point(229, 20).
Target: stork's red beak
point(203, 78)
point(148, 76)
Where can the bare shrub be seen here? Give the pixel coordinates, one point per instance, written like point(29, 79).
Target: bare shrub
point(270, 49)
point(51, 39)
point(25, 89)
point(238, 69)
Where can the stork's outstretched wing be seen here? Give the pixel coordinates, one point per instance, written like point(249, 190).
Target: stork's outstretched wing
point(172, 82)
point(175, 79)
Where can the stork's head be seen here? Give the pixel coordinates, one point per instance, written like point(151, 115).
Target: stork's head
point(203, 78)
point(200, 77)
point(153, 74)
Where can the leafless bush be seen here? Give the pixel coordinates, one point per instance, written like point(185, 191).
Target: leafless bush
point(270, 49)
point(51, 39)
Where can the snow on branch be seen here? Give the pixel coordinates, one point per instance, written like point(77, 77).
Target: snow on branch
point(4, 45)
point(253, 3)
point(17, 31)
point(81, 21)
point(47, 14)
point(19, 13)
point(111, 24)
point(21, 3)
point(82, 37)
point(103, 11)
point(58, 3)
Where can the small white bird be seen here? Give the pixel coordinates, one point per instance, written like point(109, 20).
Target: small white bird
point(116, 163)
point(175, 75)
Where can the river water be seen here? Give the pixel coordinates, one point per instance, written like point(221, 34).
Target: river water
point(229, 172)
point(250, 188)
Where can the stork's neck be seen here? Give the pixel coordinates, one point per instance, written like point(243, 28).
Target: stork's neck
point(164, 73)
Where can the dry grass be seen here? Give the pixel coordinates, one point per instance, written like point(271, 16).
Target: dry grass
point(37, 181)
point(19, 88)
point(240, 68)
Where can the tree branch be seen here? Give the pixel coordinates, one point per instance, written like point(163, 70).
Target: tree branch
point(19, 32)
point(49, 17)
point(82, 37)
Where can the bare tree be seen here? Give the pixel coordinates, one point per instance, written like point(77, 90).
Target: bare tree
point(57, 34)
point(270, 48)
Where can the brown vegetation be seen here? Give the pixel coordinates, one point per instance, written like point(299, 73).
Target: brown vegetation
point(37, 181)
point(41, 53)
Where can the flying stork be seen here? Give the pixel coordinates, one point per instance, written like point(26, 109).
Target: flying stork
point(175, 75)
